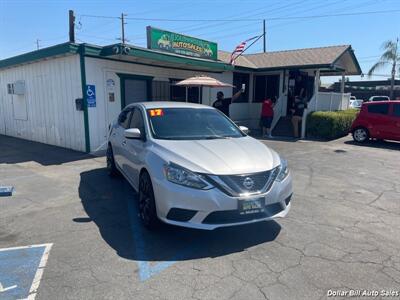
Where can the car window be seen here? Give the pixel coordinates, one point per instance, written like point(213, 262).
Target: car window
point(380, 98)
point(396, 110)
point(358, 102)
point(137, 120)
point(379, 108)
point(124, 117)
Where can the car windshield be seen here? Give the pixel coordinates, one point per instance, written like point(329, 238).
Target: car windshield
point(191, 124)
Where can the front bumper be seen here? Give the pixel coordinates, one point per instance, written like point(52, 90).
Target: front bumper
point(210, 209)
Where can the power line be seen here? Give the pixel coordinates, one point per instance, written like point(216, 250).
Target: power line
point(250, 20)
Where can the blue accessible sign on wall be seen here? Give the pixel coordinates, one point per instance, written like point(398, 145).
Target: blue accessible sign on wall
point(91, 95)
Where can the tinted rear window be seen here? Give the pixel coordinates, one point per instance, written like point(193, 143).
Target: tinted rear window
point(379, 108)
point(396, 110)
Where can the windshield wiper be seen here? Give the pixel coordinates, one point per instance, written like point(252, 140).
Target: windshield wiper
point(214, 137)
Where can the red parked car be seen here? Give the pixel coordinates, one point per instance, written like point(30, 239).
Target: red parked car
point(378, 120)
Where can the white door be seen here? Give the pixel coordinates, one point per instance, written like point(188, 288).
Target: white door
point(135, 91)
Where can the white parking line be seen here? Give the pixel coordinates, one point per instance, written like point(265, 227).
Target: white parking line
point(3, 289)
point(39, 272)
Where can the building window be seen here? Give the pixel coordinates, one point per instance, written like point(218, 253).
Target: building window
point(266, 87)
point(160, 90)
point(238, 80)
point(179, 93)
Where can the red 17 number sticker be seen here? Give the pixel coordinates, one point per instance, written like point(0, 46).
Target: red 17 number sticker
point(156, 112)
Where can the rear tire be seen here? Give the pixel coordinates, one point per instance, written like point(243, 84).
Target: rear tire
point(147, 203)
point(111, 168)
point(360, 135)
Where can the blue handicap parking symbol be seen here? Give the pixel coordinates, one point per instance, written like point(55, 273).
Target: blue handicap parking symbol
point(21, 269)
point(91, 95)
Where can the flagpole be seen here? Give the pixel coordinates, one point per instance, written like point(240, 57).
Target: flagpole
point(259, 37)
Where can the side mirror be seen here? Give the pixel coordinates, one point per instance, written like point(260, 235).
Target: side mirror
point(244, 129)
point(133, 133)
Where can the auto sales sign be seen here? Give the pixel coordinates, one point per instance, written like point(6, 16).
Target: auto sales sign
point(180, 44)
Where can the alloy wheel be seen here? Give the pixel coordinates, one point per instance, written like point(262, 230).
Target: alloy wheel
point(360, 135)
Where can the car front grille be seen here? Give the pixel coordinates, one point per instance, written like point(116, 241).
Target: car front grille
point(233, 216)
point(245, 184)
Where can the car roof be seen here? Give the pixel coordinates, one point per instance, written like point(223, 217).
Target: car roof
point(382, 102)
point(168, 104)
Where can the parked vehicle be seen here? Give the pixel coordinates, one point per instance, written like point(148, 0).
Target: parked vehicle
point(356, 103)
point(378, 120)
point(353, 98)
point(379, 98)
point(194, 167)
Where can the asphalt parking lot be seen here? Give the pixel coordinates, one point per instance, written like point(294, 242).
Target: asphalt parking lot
point(342, 233)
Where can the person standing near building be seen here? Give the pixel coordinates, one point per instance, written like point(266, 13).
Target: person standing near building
point(267, 115)
point(297, 115)
point(223, 103)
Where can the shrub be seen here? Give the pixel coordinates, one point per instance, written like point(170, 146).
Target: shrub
point(330, 124)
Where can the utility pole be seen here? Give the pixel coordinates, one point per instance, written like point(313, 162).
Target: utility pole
point(37, 44)
point(123, 28)
point(264, 37)
point(71, 21)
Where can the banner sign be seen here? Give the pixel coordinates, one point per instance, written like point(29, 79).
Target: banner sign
point(180, 44)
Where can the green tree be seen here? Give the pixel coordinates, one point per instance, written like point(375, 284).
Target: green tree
point(390, 57)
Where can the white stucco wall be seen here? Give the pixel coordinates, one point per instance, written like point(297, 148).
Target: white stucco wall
point(99, 70)
point(46, 112)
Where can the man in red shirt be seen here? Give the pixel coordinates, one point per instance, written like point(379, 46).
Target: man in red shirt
point(267, 115)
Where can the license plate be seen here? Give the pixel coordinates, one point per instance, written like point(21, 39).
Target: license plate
point(252, 206)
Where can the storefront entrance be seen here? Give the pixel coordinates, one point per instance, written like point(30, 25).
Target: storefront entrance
point(300, 85)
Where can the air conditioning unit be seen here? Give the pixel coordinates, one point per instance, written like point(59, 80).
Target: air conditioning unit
point(16, 88)
point(19, 87)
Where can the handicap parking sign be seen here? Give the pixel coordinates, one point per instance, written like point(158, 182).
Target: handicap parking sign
point(21, 269)
point(91, 95)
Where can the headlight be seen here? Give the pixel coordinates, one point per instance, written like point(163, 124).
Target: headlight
point(182, 176)
point(283, 170)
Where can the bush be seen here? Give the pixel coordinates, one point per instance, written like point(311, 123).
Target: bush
point(330, 124)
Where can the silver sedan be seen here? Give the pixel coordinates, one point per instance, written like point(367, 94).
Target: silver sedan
point(192, 166)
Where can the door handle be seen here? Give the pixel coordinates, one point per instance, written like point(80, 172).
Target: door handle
point(124, 143)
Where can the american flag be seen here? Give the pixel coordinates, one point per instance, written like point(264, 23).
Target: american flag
point(240, 49)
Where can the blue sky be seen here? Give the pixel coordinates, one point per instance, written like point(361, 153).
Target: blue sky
point(23, 22)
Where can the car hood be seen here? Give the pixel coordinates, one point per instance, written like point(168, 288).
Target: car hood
point(219, 156)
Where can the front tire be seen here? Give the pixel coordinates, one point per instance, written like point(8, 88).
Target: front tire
point(147, 203)
point(111, 168)
point(361, 135)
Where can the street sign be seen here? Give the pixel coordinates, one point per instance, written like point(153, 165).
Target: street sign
point(180, 44)
point(91, 95)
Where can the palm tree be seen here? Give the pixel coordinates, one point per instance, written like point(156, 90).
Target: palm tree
point(390, 56)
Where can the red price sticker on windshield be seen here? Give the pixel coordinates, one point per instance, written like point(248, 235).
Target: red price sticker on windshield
point(158, 112)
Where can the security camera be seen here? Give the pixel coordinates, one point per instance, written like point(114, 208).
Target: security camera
point(116, 49)
point(126, 50)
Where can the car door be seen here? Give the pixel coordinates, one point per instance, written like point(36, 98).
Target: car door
point(134, 149)
point(117, 136)
point(378, 120)
point(394, 129)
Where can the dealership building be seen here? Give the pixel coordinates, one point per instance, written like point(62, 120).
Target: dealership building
point(67, 95)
